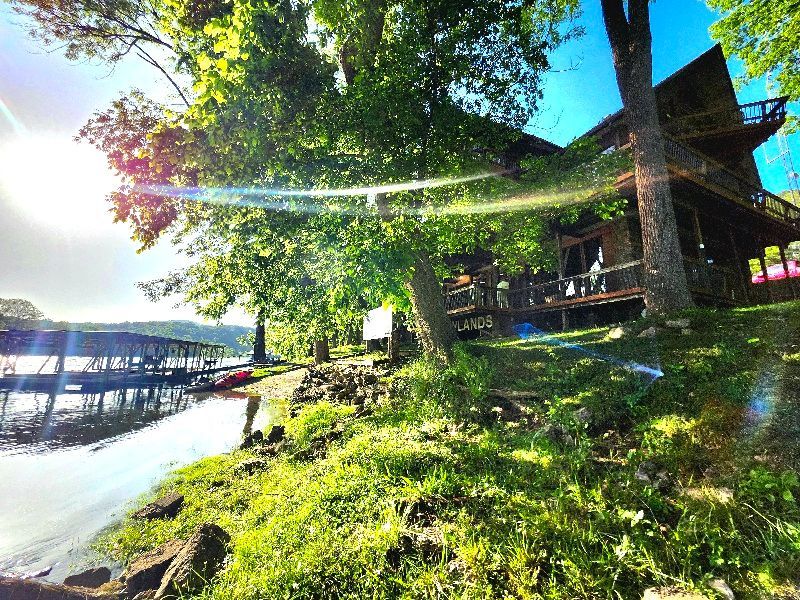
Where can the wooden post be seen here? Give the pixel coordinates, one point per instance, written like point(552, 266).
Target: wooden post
point(559, 241)
point(763, 260)
point(109, 357)
point(744, 281)
point(698, 236)
point(394, 346)
point(789, 280)
point(705, 271)
point(62, 355)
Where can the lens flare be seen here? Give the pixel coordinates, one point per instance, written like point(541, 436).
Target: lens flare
point(302, 200)
point(761, 406)
point(526, 331)
point(15, 123)
point(258, 192)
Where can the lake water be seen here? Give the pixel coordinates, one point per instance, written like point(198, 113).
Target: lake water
point(71, 464)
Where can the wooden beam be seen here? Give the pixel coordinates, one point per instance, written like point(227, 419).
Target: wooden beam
point(564, 315)
point(763, 260)
point(744, 281)
point(789, 280)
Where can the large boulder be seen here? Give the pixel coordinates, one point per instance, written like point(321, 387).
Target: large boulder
point(28, 589)
point(91, 578)
point(165, 507)
point(276, 434)
point(722, 588)
point(678, 323)
point(616, 333)
point(197, 562)
point(146, 571)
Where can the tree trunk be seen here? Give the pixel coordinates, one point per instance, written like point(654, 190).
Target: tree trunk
point(434, 327)
point(260, 346)
point(666, 289)
point(393, 346)
point(322, 353)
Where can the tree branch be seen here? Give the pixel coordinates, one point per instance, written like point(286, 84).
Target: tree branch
point(149, 59)
point(639, 11)
point(619, 37)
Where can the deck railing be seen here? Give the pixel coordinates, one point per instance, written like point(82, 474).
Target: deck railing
point(615, 282)
point(611, 281)
point(716, 174)
point(772, 110)
point(471, 297)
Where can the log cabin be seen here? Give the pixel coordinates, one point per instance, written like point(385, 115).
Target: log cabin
point(724, 217)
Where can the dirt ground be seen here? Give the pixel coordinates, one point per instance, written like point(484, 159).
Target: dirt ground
point(276, 386)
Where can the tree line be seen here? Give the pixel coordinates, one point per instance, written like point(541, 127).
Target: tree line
point(18, 313)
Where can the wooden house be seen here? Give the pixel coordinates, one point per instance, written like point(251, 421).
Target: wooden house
point(724, 217)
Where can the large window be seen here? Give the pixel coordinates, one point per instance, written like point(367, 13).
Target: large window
point(584, 257)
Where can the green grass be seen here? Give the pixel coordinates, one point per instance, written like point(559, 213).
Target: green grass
point(511, 513)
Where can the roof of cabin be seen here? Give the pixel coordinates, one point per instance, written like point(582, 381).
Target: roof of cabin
point(703, 62)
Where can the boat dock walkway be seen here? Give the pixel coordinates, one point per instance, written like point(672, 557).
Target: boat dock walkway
point(112, 360)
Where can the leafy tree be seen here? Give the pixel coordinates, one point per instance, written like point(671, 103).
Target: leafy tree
point(765, 35)
point(271, 110)
point(376, 93)
point(19, 309)
point(628, 28)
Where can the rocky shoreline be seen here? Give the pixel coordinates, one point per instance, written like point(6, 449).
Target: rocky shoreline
point(173, 570)
point(183, 567)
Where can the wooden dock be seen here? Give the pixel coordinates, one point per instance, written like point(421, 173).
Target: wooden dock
point(114, 360)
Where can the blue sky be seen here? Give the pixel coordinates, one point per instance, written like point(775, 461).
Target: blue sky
point(69, 259)
point(578, 99)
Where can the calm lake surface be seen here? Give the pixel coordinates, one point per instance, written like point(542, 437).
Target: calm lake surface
point(72, 464)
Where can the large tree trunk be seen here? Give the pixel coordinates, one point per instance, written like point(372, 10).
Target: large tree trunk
point(666, 289)
point(434, 327)
point(260, 346)
point(322, 352)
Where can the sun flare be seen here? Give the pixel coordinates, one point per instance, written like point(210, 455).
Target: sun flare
point(56, 181)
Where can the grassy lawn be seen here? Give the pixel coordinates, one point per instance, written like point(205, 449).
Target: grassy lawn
point(445, 491)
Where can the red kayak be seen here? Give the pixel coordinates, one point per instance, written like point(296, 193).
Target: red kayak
point(228, 381)
point(231, 379)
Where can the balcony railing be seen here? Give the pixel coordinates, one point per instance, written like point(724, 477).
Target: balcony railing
point(471, 297)
point(772, 111)
point(608, 282)
point(621, 281)
point(716, 174)
point(612, 282)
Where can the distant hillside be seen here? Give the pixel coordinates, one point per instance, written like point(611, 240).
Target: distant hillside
point(184, 330)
